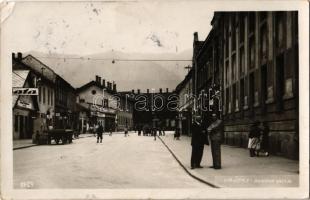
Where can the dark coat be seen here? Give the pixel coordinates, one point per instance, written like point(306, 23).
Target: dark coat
point(255, 131)
point(198, 138)
point(100, 129)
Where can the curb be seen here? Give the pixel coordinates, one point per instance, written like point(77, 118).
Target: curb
point(185, 169)
point(23, 147)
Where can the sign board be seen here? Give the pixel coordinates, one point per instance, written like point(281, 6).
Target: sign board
point(25, 91)
point(24, 104)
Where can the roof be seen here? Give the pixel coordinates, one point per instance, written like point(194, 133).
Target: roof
point(19, 78)
point(37, 66)
point(185, 80)
point(93, 83)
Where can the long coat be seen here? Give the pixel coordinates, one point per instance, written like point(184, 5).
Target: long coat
point(216, 130)
point(198, 138)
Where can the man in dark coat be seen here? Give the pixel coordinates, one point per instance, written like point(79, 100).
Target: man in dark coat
point(99, 133)
point(197, 143)
point(215, 131)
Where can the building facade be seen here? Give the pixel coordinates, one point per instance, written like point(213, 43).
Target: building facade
point(44, 79)
point(250, 59)
point(102, 101)
point(66, 115)
point(155, 109)
point(185, 104)
point(25, 107)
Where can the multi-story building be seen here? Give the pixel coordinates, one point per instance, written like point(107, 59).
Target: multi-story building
point(25, 107)
point(125, 111)
point(66, 116)
point(44, 79)
point(256, 54)
point(155, 109)
point(102, 102)
point(185, 104)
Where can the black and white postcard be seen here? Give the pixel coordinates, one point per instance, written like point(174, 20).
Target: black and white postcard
point(141, 99)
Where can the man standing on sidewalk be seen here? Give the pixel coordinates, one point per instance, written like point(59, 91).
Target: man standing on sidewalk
point(197, 143)
point(215, 131)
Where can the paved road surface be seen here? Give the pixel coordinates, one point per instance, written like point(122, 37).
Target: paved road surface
point(118, 162)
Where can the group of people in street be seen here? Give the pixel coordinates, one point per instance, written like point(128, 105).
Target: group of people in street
point(201, 133)
point(259, 139)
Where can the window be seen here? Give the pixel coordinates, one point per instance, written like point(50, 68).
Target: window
point(227, 100)
point(40, 93)
point(279, 30)
point(263, 85)
point(106, 103)
point(234, 97)
point(263, 41)
point(242, 93)
point(226, 40)
point(233, 33)
point(233, 67)
point(252, 52)
point(241, 62)
point(251, 90)
point(241, 28)
point(43, 94)
point(263, 15)
point(280, 81)
point(252, 22)
point(227, 72)
point(16, 123)
point(48, 96)
point(52, 97)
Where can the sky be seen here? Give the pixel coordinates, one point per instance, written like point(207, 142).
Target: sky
point(85, 29)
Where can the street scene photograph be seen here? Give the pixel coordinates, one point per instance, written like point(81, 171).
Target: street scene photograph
point(153, 95)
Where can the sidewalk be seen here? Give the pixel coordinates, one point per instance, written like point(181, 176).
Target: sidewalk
point(23, 143)
point(238, 168)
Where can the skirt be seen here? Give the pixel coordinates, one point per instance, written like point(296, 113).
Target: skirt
point(254, 143)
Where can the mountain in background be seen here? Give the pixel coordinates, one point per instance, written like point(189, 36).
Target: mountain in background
point(128, 75)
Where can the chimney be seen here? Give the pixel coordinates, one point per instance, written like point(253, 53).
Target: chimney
point(99, 80)
point(19, 56)
point(160, 90)
point(108, 84)
point(195, 36)
point(103, 82)
point(132, 91)
point(13, 56)
point(167, 90)
point(114, 87)
point(147, 90)
point(138, 91)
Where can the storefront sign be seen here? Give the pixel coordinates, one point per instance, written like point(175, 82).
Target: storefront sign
point(24, 104)
point(25, 91)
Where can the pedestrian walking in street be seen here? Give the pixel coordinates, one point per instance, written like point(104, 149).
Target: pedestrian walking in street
point(99, 133)
point(126, 131)
point(154, 133)
point(197, 143)
point(215, 131)
point(111, 131)
point(254, 139)
point(265, 139)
